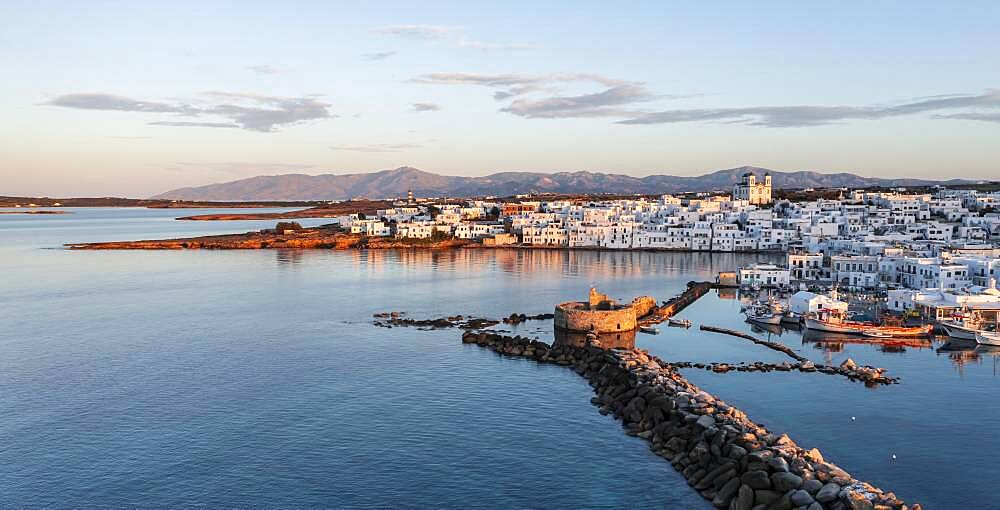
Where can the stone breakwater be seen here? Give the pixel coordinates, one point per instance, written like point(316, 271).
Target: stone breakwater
point(869, 375)
point(730, 460)
point(694, 292)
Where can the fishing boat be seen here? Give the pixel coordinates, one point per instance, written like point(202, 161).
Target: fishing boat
point(681, 323)
point(649, 330)
point(962, 326)
point(837, 323)
point(988, 338)
point(763, 313)
point(790, 317)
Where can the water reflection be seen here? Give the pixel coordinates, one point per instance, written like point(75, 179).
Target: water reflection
point(963, 352)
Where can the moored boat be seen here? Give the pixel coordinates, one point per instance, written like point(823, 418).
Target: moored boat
point(763, 313)
point(837, 324)
point(649, 330)
point(681, 323)
point(988, 338)
point(959, 330)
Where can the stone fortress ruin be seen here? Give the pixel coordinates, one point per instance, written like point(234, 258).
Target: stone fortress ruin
point(601, 314)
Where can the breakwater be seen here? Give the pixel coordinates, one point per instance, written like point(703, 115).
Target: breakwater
point(729, 459)
point(694, 291)
point(869, 375)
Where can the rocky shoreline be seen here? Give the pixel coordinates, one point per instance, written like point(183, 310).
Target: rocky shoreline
point(305, 239)
point(729, 459)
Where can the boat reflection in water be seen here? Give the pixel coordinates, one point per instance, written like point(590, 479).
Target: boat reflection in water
point(834, 342)
point(963, 352)
point(617, 340)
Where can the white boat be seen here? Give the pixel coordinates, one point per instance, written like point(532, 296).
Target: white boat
point(682, 323)
point(649, 330)
point(961, 330)
point(763, 313)
point(988, 338)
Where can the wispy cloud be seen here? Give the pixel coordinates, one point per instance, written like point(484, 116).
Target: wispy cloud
point(812, 115)
point(98, 101)
point(253, 112)
point(378, 147)
point(264, 69)
point(425, 107)
point(539, 96)
point(378, 55)
point(456, 35)
point(984, 117)
point(193, 124)
point(417, 31)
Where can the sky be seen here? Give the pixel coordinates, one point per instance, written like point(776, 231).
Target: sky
point(136, 98)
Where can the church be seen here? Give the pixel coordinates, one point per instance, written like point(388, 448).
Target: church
point(753, 191)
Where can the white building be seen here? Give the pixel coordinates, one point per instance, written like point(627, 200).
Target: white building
point(765, 275)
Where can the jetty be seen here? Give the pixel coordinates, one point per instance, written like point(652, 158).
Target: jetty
point(729, 459)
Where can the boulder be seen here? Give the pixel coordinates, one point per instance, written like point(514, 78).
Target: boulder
point(814, 455)
point(784, 482)
point(705, 422)
point(766, 497)
point(828, 493)
point(756, 479)
point(812, 486)
point(778, 464)
point(744, 499)
point(801, 498)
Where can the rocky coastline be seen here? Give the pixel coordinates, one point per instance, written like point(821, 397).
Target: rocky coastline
point(321, 238)
point(730, 460)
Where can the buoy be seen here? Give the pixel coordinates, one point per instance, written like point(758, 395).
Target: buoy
point(894, 456)
point(853, 418)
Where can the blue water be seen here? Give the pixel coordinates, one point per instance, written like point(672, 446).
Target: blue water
point(254, 378)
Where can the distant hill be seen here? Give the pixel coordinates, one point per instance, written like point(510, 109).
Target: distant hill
point(395, 183)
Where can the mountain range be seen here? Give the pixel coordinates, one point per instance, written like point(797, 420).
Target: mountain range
point(396, 183)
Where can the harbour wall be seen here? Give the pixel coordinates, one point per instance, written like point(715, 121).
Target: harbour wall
point(730, 460)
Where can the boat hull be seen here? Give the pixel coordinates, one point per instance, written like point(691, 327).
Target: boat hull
point(765, 319)
point(958, 332)
point(992, 339)
point(860, 329)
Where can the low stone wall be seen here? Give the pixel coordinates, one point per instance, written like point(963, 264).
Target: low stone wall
point(693, 293)
point(730, 460)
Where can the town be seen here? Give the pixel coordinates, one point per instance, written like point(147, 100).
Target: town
point(933, 253)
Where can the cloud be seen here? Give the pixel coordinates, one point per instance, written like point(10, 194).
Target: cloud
point(193, 124)
point(379, 147)
point(97, 101)
point(252, 112)
point(539, 96)
point(984, 117)
point(425, 107)
point(600, 104)
point(455, 34)
point(811, 115)
point(264, 69)
point(378, 55)
point(416, 31)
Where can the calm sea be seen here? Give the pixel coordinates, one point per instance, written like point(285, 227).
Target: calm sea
point(255, 378)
